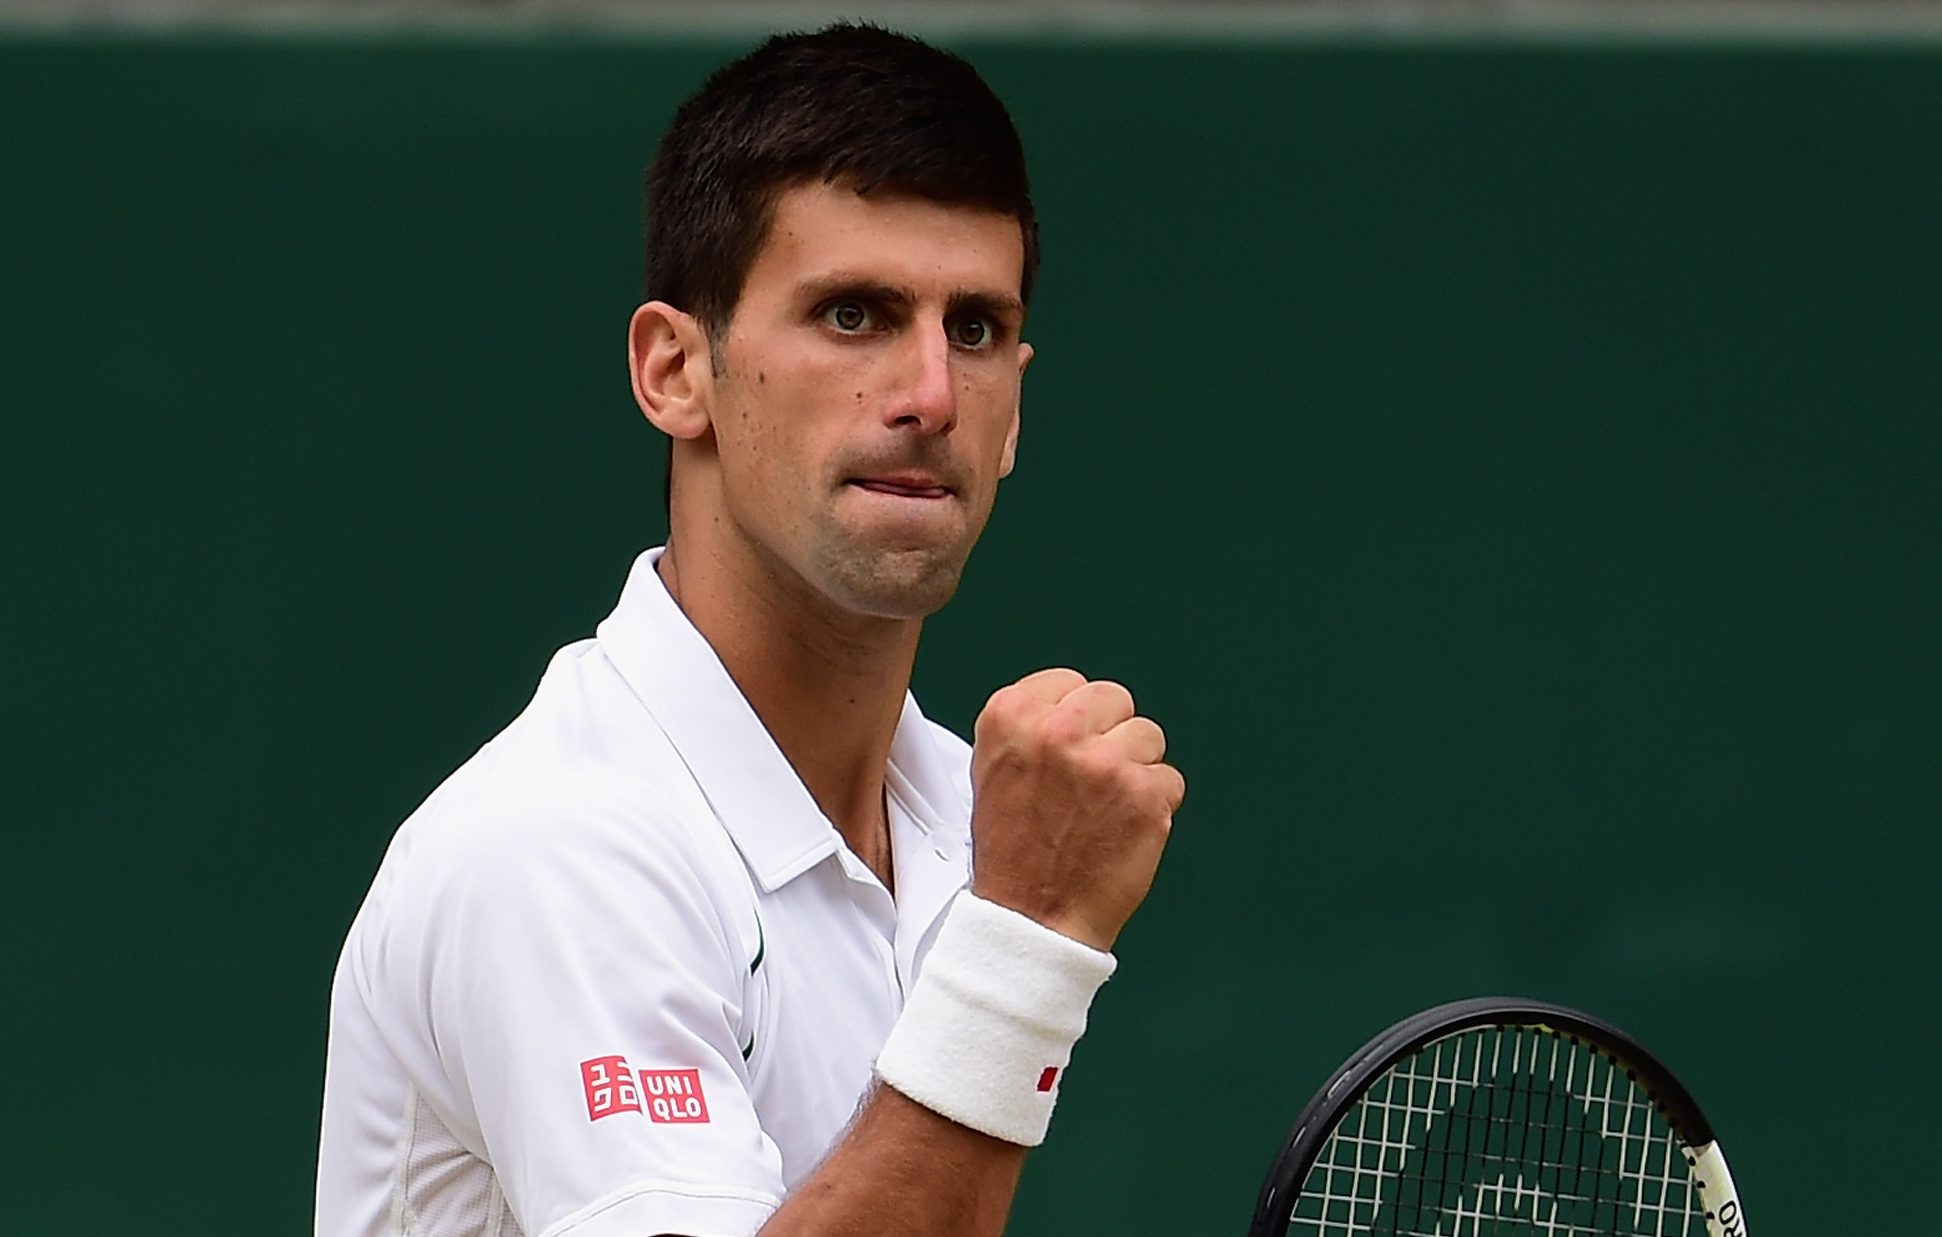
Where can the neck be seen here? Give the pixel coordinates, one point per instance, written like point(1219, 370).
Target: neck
point(828, 685)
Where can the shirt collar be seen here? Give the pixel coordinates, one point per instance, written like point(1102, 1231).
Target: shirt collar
point(751, 786)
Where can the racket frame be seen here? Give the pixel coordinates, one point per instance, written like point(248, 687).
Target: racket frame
point(1274, 1211)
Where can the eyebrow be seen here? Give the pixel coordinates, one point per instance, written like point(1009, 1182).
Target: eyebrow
point(996, 304)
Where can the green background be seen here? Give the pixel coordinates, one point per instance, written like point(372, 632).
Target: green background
point(1510, 471)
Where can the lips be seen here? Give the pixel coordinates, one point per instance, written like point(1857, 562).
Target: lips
point(903, 486)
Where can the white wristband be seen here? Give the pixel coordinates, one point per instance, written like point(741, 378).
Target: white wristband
point(989, 1027)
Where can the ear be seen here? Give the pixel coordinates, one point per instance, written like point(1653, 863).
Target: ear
point(672, 371)
point(1010, 456)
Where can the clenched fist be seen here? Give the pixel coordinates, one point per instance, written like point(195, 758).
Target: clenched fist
point(1072, 803)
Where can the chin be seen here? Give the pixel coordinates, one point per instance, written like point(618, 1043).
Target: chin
point(894, 584)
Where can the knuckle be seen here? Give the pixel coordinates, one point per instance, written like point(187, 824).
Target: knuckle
point(1060, 678)
point(1061, 726)
point(1176, 789)
point(1106, 778)
point(1101, 760)
point(1126, 784)
point(1004, 708)
point(1110, 700)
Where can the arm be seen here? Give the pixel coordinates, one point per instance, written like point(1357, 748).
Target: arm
point(904, 1169)
point(1073, 807)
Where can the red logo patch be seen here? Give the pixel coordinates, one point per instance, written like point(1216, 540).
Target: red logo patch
point(1047, 1079)
point(674, 1096)
point(610, 1087)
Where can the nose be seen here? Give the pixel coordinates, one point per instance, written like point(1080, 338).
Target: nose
point(927, 398)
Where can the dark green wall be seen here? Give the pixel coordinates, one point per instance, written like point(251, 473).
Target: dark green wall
point(1511, 473)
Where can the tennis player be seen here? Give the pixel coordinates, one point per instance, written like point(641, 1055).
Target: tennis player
point(721, 935)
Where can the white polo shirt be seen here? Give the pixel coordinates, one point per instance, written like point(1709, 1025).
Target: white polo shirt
point(619, 974)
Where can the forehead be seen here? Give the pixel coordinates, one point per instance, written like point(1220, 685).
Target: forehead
point(819, 231)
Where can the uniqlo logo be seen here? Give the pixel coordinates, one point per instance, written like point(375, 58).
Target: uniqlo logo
point(610, 1087)
point(674, 1096)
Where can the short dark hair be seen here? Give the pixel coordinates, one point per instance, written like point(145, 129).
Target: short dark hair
point(855, 104)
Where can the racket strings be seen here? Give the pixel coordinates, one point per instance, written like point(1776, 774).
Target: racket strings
point(1501, 1130)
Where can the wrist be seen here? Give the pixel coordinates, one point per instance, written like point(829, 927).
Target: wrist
point(989, 1028)
point(1062, 921)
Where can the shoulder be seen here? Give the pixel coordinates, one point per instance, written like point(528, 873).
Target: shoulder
point(578, 818)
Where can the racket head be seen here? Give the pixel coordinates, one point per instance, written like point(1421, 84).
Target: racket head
point(1697, 1146)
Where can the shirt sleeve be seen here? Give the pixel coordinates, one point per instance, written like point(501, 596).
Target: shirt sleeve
point(582, 988)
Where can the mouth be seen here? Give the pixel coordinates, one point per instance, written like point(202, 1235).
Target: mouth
point(902, 486)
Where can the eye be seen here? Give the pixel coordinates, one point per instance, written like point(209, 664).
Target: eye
point(973, 332)
point(849, 317)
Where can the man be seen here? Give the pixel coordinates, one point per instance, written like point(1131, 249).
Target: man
point(687, 948)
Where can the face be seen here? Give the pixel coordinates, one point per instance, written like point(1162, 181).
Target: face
point(864, 401)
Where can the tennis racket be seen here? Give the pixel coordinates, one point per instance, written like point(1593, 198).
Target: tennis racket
point(1501, 1116)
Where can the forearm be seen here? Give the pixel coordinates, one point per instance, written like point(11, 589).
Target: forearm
point(902, 1168)
point(1074, 806)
